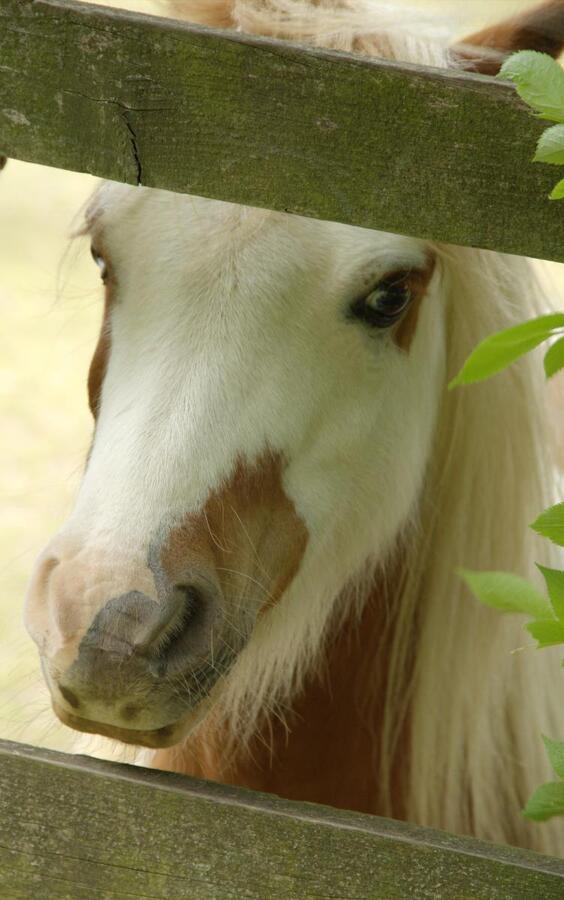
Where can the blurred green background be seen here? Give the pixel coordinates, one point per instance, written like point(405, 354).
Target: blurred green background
point(51, 303)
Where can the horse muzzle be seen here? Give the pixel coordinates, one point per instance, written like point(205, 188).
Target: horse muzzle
point(132, 666)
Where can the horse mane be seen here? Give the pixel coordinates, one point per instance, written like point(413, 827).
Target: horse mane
point(359, 26)
point(474, 708)
point(477, 708)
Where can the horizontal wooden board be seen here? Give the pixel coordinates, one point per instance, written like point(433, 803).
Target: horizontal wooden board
point(74, 828)
point(134, 98)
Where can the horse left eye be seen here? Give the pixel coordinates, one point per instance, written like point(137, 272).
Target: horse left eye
point(386, 303)
point(100, 262)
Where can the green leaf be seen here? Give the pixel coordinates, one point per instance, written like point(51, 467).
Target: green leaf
point(557, 192)
point(546, 633)
point(502, 348)
point(554, 357)
point(555, 750)
point(539, 81)
point(547, 801)
point(550, 146)
point(550, 524)
point(508, 593)
point(555, 585)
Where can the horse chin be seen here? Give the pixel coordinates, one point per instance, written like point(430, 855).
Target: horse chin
point(158, 738)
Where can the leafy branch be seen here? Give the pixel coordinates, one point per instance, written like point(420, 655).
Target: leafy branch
point(499, 350)
point(540, 83)
point(510, 593)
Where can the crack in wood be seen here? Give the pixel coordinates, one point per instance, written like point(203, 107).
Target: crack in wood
point(124, 113)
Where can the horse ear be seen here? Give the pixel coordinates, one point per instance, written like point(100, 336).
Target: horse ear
point(541, 28)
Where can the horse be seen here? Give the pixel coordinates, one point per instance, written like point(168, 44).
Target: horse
point(258, 578)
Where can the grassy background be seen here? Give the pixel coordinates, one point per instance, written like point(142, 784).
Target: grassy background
point(50, 301)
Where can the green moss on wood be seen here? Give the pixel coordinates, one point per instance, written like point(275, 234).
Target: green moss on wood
point(438, 155)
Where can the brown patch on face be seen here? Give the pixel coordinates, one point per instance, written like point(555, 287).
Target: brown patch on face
point(417, 282)
point(99, 364)
point(541, 28)
point(248, 531)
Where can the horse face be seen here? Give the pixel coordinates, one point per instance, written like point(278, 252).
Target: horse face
point(265, 390)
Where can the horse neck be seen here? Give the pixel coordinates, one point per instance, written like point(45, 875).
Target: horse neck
point(328, 748)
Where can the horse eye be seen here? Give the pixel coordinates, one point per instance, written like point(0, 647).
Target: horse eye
point(100, 262)
point(386, 302)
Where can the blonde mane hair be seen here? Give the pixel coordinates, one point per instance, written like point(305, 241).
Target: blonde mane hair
point(474, 707)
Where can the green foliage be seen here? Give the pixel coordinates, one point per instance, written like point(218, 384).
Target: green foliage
point(550, 147)
point(547, 634)
point(557, 192)
point(508, 593)
point(554, 579)
point(550, 524)
point(540, 83)
point(555, 750)
point(512, 594)
point(554, 356)
point(499, 350)
point(548, 799)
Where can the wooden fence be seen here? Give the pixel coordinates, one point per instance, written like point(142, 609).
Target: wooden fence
point(400, 148)
point(74, 827)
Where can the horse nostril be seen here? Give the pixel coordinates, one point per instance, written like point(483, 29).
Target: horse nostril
point(166, 635)
point(186, 634)
point(193, 604)
point(189, 611)
point(69, 696)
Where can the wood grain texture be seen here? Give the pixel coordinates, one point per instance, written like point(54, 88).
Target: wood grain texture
point(73, 827)
point(134, 98)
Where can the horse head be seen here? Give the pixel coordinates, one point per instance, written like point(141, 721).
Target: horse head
point(265, 398)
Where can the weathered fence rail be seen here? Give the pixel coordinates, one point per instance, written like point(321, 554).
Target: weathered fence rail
point(74, 827)
point(135, 98)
